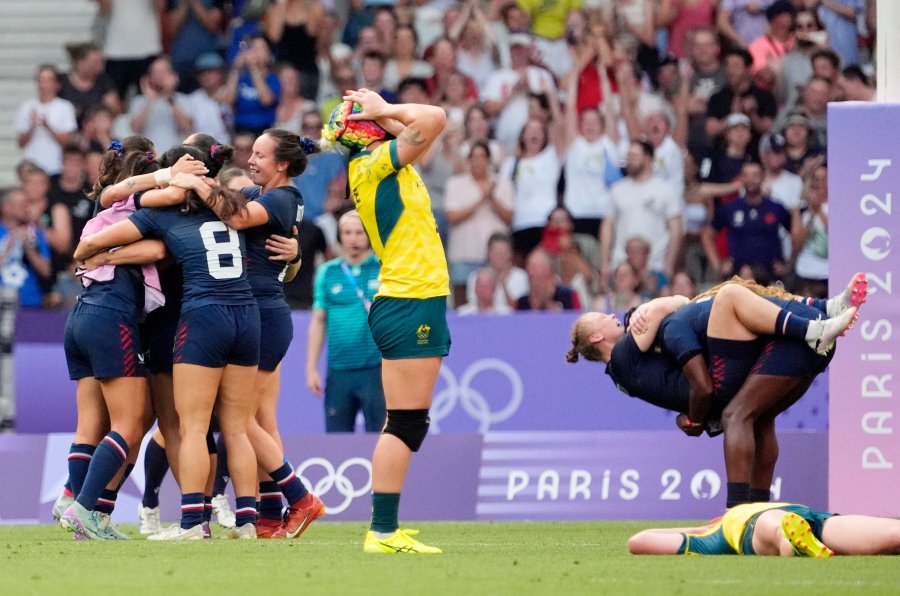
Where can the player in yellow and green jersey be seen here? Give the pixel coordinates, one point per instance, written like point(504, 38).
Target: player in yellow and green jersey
point(408, 315)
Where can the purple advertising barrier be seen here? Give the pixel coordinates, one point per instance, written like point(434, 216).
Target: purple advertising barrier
point(503, 373)
point(498, 476)
point(864, 156)
point(629, 475)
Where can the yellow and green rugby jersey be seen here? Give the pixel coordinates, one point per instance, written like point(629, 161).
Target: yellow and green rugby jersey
point(395, 210)
point(735, 521)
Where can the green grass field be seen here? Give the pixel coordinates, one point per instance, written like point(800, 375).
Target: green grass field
point(480, 558)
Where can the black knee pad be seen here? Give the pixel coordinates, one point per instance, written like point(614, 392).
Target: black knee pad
point(410, 426)
point(211, 442)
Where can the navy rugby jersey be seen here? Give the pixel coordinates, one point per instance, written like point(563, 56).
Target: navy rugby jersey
point(209, 252)
point(285, 208)
point(652, 376)
point(683, 333)
point(124, 292)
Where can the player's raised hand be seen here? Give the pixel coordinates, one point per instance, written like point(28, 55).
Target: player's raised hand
point(373, 105)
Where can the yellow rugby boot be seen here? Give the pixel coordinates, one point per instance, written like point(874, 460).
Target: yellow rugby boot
point(800, 535)
point(401, 541)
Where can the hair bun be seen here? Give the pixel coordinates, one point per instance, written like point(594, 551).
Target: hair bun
point(308, 145)
point(117, 147)
point(215, 151)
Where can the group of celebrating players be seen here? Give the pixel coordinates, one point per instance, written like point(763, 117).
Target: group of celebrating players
point(183, 317)
point(183, 320)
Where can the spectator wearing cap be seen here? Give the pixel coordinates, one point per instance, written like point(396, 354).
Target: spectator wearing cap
point(740, 94)
point(507, 91)
point(161, 113)
point(752, 222)
point(208, 113)
point(802, 150)
point(725, 162)
point(839, 17)
point(769, 48)
point(854, 85)
point(742, 21)
point(45, 124)
point(779, 184)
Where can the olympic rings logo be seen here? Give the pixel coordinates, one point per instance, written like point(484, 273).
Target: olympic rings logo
point(336, 478)
point(472, 400)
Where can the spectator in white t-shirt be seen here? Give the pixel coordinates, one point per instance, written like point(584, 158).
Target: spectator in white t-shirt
point(534, 173)
point(642, 204)
point(507, 93)
point(45, 124)
point(591, 162)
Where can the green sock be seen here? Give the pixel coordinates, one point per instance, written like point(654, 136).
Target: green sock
point(385, 507)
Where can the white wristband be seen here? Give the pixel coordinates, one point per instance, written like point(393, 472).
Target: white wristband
point(162, 176)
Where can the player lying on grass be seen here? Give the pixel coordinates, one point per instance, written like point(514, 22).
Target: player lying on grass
point(775, 529)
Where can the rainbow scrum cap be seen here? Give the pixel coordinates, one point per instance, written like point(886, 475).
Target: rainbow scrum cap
point(356, 135)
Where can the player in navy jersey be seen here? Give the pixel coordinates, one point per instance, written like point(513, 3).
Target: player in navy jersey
point(102, 345)
point(275, 207)
point(762, 383)
point(216, 348)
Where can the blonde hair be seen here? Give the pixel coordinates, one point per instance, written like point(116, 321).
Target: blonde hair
point(760, 290)
point(582, 344)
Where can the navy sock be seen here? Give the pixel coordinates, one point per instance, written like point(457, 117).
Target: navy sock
point(80, 455)
point(207, 508)
point(385, 510)
point(291, 486)
point(788, 324)
point(156, 464)
point(222, 478)
point(108, 458)
point(244, 511)
point(107, 501)
point(270, 505)
point(191, 510)
point(738, 492)
point(819, 304)
point(760, 495)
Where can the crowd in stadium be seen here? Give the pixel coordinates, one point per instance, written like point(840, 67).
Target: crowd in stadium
point(597, 153)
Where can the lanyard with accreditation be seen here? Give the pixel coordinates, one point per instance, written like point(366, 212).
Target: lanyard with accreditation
point(367, 304)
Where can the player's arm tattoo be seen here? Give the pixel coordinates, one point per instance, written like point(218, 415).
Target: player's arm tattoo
point(129, 184)
point(412, 137)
